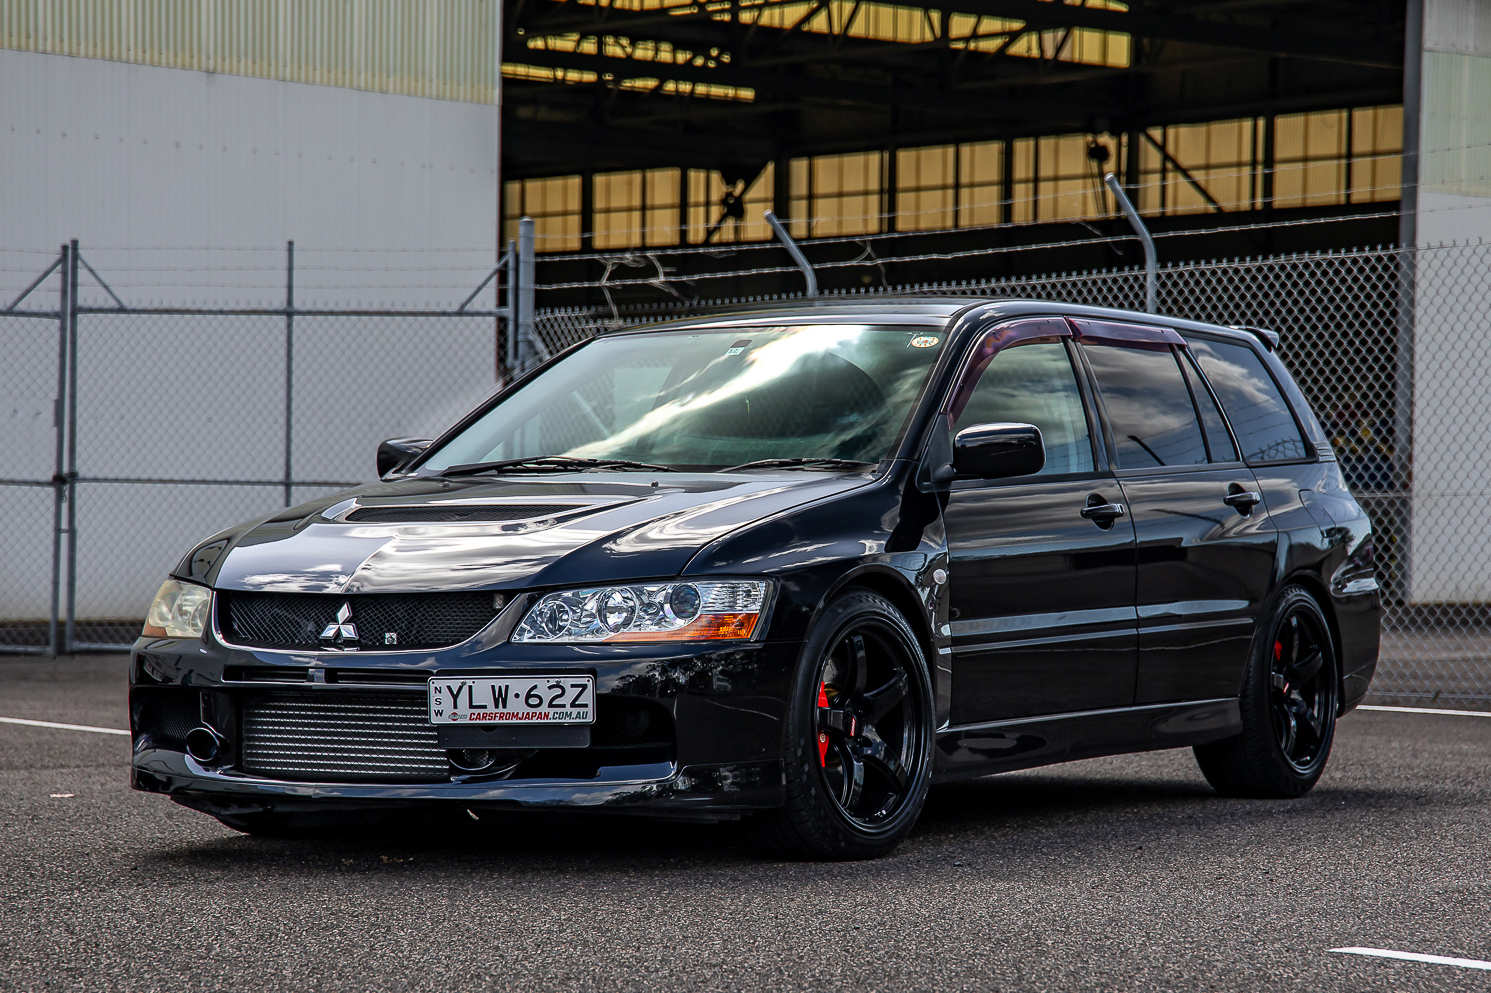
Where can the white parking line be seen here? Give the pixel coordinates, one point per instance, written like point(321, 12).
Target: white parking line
point(1427, 710)
point(64, 727)
point(1385, 953)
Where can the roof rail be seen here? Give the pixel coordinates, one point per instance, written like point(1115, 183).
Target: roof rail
point(1269, 338)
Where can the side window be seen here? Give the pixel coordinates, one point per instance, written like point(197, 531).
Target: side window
point(1218, 441)
point(1148, 405)
point(1265, 428)
point(1035, 384)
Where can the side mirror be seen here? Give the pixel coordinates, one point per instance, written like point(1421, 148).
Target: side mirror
point(996, 451)
point(396, 451)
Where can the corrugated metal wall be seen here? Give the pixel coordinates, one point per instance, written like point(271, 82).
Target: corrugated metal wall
point(427, 48)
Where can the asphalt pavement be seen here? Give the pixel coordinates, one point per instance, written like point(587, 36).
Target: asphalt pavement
point(1111, 874)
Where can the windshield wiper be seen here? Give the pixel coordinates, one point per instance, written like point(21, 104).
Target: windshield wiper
point(799, 464)
point(557, 463)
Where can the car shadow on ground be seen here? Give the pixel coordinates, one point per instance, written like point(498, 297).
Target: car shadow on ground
point(957, 816)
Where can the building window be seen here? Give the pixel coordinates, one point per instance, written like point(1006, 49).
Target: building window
point(919, 26)
point(636, 209)
point(1376, 154)
point(981, 196)
point(926, 188)
point(838, 195)
point(1310, 159)
point(1069, 183)
point(708, 222)
point(554, 205)
point(1319, 158)
point(1178, 162)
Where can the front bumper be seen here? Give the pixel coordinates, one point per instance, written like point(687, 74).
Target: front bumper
point(726, 707)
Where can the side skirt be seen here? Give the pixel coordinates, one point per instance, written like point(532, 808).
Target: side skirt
point(1022, 743)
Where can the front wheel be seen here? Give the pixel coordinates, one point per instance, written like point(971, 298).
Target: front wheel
point(859, 737)
point(1289, 704)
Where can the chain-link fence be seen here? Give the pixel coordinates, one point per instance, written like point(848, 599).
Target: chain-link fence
point(1391, 347)
point(134, 431)
point(187, 420)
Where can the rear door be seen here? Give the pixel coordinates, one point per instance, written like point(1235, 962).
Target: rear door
point(1041, 588)
point(1204, 543)
point(1272, 440)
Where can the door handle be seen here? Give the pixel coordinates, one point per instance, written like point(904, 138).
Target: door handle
point(1103, 513)
point(1241, 500)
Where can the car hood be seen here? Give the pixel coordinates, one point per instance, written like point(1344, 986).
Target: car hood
point(575, 528)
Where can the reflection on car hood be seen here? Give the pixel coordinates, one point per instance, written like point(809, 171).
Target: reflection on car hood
point(577, 528)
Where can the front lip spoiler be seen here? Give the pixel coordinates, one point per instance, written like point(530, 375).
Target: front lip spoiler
point(736, 787)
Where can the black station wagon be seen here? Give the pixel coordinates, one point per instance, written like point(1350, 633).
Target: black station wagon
point(794, 565)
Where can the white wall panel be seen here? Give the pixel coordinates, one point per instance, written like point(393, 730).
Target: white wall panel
point(390, 199)
point(439, 49)
point(1450, 540)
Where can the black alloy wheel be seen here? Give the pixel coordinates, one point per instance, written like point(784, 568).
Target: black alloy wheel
point(859, 749)
point(1301, 703)
point(866, 743)
point(1289, 704)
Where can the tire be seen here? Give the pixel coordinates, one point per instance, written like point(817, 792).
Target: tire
point(1290, 698)
point(858, 749)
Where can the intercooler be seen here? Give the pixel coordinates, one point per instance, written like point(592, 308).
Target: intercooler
point(342, 736)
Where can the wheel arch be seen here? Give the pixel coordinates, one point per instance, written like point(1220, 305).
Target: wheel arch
point(1318, 590)
point(893, 586)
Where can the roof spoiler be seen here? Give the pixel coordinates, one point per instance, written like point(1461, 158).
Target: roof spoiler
point(1269, 338)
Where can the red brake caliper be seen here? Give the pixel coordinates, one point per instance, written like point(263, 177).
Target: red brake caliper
point(822, 735)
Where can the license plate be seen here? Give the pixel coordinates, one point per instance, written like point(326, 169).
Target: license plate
point(512, 700)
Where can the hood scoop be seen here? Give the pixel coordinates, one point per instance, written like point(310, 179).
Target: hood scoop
point(459, 513)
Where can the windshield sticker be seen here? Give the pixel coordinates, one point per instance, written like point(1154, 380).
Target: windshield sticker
point(924, 341)
point(739, 346)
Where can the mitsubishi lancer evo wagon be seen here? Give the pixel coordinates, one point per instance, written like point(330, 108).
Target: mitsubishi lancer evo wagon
point(792, 565)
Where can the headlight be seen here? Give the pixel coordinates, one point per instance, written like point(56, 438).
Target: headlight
point(703, 611)
point(179, 610)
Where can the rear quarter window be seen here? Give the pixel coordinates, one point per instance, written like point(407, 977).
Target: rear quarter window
point(1262, 421)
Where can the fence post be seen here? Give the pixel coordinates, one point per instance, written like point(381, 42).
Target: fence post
point(289, 363)
point(1407, 279)
point(809, 277)
point(59, 478)
point(70, 633)
point(510, 339)
point(527, 273)
point(1151, 293)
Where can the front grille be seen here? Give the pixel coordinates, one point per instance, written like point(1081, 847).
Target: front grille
point(456, 514)
point(384, 621)
point(342, 737)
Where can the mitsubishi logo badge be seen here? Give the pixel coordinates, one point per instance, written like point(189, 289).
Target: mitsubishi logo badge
point(342, 630)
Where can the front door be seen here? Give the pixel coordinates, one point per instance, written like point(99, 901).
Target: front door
point(1042, 567)
point(1205, 544)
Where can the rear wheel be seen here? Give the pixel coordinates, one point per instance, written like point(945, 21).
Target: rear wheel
point(1289, 705)
point(859, 745)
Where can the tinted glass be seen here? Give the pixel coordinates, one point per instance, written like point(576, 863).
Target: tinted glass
point(1217, 439)
point(1149, 407)
point(1265, 428)
point(713, 398)
point(1035, 384)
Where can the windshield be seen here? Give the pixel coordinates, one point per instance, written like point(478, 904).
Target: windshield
point(713, 399)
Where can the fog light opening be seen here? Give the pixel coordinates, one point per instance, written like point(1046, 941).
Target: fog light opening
point(634, 722)
point(486, 761)
point(204, 744)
